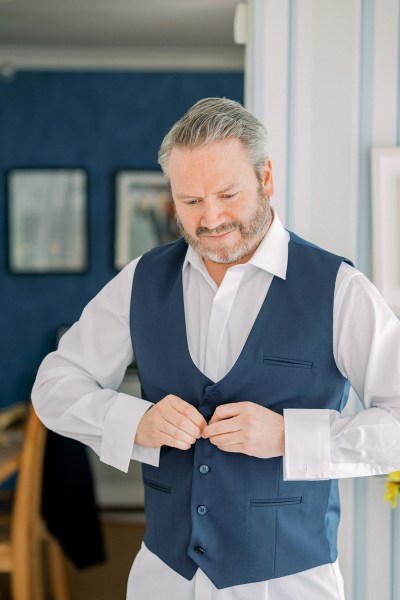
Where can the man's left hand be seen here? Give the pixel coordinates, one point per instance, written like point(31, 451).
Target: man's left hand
point(248, 428)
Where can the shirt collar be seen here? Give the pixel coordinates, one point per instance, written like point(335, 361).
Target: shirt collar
point(271, 255)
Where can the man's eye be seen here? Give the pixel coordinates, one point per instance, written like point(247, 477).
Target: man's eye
point(192, 202)
point(229, 196)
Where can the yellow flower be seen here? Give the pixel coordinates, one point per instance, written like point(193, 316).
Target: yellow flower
point(395, 477)
point(392, 491)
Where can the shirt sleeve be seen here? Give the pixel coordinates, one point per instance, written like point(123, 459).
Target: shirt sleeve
point(75, 389)
point(322, 444)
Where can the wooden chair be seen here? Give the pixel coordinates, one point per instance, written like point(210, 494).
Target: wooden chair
point(21, 538)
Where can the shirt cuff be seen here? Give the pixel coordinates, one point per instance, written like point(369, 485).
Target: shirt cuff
point(307, 444)
point(119, 430)
point(150, 456)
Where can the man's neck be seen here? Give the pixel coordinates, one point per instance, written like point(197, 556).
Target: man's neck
point(217, 270)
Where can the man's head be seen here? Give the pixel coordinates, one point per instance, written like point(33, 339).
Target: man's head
point(216, 120)
point(216, 161)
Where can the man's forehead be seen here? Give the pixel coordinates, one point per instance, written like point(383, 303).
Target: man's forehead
point(216, 159)
point(209, 147)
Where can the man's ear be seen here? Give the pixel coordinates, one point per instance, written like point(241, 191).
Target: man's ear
point(268, 181)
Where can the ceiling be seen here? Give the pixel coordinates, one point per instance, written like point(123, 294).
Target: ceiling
point(117, 23)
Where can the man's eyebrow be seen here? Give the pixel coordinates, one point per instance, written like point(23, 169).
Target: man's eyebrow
point(230, 187)
point(186, 196)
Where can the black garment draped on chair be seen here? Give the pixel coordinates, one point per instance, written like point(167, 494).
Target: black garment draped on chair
point(68, 502)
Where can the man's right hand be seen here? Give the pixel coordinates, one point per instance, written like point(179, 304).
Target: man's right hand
point(171, 422)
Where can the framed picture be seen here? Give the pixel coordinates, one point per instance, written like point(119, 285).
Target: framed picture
point(144, 214)
point(386, 223)
point(47, 220)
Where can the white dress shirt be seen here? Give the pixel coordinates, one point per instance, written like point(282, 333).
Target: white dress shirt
point(75, 395)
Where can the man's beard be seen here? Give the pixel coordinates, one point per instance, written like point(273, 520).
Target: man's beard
point(251, 232)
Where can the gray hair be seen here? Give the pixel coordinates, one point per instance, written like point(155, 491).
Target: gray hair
point(214, 120)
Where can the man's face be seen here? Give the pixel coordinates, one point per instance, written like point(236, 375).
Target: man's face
point(221, 207)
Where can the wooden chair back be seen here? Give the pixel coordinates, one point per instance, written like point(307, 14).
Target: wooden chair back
point(26, 521)
point(20, 554)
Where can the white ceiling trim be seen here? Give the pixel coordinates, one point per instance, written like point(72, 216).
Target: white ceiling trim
point(135, 58)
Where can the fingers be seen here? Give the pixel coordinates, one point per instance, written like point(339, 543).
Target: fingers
point(173, 442)
point(237, 427)
point(176, 420)
point(227, 439)
point(247, 428)
point(187, 410)
point(226, 411)
point(171, 422)
point(226, 418)
point(234, 448)
point(222, 427)
point(177, 432)
point(183, 416)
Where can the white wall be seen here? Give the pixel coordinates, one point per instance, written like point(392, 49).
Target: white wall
point(323, 76)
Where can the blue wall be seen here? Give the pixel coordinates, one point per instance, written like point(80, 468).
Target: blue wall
point(102, 121)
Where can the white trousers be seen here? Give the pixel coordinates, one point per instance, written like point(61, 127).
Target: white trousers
point(151, 579)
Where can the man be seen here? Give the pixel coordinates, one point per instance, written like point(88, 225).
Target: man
point(246, 339)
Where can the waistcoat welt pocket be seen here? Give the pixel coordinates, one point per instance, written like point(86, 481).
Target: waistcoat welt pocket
point(157, 486)
point(267, 502)
point(278, 361)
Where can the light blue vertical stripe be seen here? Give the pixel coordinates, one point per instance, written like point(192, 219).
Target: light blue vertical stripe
point(364, 237)
point(360, 502)
point(398, 83)
point(395, 519)
point(257, 28)
point(290, 164)
point(360, 506)
point(394, 553)
point(364, 260)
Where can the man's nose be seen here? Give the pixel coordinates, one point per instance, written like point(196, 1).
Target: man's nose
point(212, 214)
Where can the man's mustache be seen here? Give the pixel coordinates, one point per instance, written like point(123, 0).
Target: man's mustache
point(223, 228)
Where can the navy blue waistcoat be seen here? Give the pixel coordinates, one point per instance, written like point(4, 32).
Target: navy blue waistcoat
point(231, 514)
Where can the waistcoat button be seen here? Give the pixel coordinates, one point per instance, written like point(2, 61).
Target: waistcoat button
point(199, 550)
point(204, 469)
point(202, 510)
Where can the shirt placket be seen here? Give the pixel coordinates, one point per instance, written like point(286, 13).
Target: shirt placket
point(219, 316)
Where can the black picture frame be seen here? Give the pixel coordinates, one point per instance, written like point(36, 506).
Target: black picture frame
point(47, 220)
